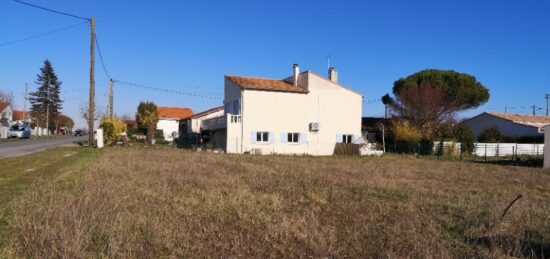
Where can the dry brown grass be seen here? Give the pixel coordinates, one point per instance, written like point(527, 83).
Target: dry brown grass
point(152, 203)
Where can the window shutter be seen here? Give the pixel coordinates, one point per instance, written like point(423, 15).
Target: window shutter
point(303, 138)
point(253, 137)
point(339, 138)
point(271, 137)
point(284, 137)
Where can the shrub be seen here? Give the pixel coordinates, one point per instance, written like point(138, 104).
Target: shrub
point(490, 135)
point(465, 136)
point(404, 132)
point(112, 130)
point(159, 135)
point(425, 147)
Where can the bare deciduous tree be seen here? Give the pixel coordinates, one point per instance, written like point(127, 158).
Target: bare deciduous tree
point(84, 113)
point(6, 97)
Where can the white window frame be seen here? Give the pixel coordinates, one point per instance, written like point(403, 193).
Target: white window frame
point(347, 138)
point(293, 138)
point(262, 137)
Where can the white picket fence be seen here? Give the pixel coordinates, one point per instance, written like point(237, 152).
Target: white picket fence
point(496, 149)
point(508, 149)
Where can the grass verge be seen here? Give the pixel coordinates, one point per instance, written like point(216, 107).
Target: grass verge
point(19, 174)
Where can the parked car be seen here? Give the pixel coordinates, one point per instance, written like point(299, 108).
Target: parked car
point(19, 131)
point(78, 132)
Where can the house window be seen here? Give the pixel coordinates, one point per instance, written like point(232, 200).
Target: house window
point(347, 138)
point(262, 137)
point(293, 137)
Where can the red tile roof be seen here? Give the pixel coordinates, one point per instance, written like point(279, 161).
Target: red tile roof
point(174, 113)
point(255, 83)
point(529, 120)
point(3, 105)
point(20, 115)
point(209, 111)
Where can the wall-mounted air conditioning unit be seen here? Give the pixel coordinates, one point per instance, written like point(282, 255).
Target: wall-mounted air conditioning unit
point(314, 126)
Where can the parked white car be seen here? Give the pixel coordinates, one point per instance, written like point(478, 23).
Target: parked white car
point(19, 131)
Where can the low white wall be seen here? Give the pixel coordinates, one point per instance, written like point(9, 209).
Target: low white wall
point(547, 150)
point(508, 149)
point(3, 132)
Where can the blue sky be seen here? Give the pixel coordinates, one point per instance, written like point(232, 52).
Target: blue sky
point(189, 46)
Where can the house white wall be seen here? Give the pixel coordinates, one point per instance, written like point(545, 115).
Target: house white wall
point(337, 109)
point(168, 126)
point(506, 127)
point(6, 113)
point(6, 116)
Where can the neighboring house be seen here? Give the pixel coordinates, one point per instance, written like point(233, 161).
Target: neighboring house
point(6, 116)
point(302, 114)
point(23, 116)
point(372, 128)
point(193, 124)
point(6, 112)
point(168, 120)
point(515, 125)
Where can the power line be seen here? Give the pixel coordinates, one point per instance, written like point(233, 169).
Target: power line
point(372, 101)
point(101, 58)
point(50, 10)
point(167, 90)
point(41, 35)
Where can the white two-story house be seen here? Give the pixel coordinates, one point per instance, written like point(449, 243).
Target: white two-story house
point(302, 114)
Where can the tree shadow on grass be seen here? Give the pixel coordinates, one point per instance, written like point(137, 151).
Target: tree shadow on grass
point(527, 246)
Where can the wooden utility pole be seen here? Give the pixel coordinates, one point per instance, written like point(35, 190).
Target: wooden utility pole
point(91, 108)
point(111, 98)
point(547, 96)
point(25, 101)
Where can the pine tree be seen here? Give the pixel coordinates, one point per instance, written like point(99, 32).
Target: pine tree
point(45, 101)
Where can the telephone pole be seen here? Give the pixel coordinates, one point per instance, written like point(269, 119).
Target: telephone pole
point(534, 109)
point(547, 96)
point(91, 108)
point(25, 102)
point(111, 98)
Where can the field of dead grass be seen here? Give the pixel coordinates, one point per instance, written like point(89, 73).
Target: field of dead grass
point(144, 202)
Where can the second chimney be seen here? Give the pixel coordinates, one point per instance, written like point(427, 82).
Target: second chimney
point(333, 75)
point(296, 70)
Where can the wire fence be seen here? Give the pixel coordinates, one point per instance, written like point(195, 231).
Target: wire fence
point(498, 153)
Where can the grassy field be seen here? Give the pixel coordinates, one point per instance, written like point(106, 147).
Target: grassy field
point(151, 202)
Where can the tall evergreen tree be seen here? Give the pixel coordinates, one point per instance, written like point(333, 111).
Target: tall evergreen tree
point(45, 101)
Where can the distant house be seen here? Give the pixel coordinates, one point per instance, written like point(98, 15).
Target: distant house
point(193, 124)
point(372, 126)
point(515, 125)
point(169, 118)
point(6, 112)
point(204, 127)
point(23, 116)
point(302, 114)
point(6, 116)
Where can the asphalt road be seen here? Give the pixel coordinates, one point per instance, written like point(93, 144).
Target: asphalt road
point(29, 146)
